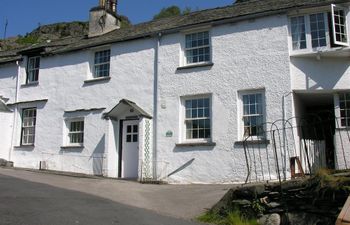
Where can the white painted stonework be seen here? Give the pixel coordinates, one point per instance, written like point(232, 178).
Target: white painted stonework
point(247, 56)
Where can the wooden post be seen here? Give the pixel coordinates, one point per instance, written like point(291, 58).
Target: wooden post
point(292, 168)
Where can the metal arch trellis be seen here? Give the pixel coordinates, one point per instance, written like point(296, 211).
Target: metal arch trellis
point(303, 128)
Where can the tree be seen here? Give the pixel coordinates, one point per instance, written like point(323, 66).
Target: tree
point(171, 11)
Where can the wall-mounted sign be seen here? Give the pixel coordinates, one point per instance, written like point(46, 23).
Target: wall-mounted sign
point(169, 133)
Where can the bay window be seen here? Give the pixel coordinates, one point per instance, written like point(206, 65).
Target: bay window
point(315, 31)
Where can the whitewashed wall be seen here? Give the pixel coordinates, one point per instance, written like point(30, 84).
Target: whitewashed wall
point(324, 74)
point(246, 55)
point(8, 81)
point(61, 81)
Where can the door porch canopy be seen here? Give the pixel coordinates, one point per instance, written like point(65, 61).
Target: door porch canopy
point(127, 108)
point(3, 107)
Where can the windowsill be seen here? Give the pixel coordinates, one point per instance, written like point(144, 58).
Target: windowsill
point(205, 64)
point(97, 79)
point(194, 144)
point(72, 146)
point(325, 52)
point(30, 84)
point(24, 146)
point(253, 142)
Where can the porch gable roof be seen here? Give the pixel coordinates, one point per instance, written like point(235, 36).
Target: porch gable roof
point(125, 105)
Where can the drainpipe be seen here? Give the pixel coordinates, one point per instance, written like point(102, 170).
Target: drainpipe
point(16, 111)
point(155, 105)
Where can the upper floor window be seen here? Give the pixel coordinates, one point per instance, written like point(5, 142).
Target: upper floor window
point(344, 105)
point(33, 67)
point(197, 118)
point(319, 30)
point(102, 63)
point(28, 126)
point(197, 47)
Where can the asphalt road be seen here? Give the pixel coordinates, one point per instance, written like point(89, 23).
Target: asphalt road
point(27, 203)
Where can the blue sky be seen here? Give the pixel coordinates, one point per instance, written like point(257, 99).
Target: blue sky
point(25, 15)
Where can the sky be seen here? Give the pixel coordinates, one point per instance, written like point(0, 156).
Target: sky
point(25, 15)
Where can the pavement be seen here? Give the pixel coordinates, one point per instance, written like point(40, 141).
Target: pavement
point(28, 203)
point(129, 198)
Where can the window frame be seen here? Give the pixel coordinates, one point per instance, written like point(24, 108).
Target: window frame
point(333, 6)
point(68, 124)
point(183, 119)
point(25, 127)
point(185, 48)
point(94, 64)
point(35, 69)
point(241, 126)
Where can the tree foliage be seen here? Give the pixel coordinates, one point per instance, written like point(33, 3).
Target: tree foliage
point(171, 11)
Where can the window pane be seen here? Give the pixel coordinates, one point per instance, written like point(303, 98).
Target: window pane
point(298, 32)
point(197, 49)
point(102, 64)
point(344, 105)
point(134, 139)
point(252, 114)
point(28, 126)
point(318, 30)
point(339, 25)
point(135, 129)
point(128, 138)
point(197, 118)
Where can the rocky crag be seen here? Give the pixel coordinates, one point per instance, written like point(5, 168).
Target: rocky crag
point(51, 32)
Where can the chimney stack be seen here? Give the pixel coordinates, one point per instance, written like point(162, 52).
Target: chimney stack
point(103, 18)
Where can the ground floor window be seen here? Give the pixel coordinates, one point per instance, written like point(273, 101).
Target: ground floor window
point(75, 131)
point(197, 118)
point(252, 113)
point(344, 105)
point(28, 126)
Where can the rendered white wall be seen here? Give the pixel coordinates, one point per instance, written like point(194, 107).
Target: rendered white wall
point(6, 123)
point(8, 73)
point(61, 81)
point(246, 55)
point(324, 74)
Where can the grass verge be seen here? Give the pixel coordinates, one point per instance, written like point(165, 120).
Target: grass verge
point(231, 218)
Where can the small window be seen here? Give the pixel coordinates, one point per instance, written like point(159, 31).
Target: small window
point(76, 132)
point(28, 126)
point(253, 114)
point(318, 30)
point(102, 63)
point(298, 32)
point(33, 69)
point(132, 133)
point(197, 118)
point(197, 48)
point(339, 30)
point(344, 105)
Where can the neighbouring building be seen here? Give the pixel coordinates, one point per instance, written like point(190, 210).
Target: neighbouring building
point(186, 99)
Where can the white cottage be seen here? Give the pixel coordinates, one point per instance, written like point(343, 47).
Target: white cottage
point(186, 99)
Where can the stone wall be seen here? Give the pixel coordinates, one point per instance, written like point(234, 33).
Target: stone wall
point(302, 202)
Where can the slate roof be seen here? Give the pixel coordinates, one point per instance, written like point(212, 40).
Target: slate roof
point(239, 11)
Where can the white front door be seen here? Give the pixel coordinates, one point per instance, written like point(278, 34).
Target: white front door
point(130, 149)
